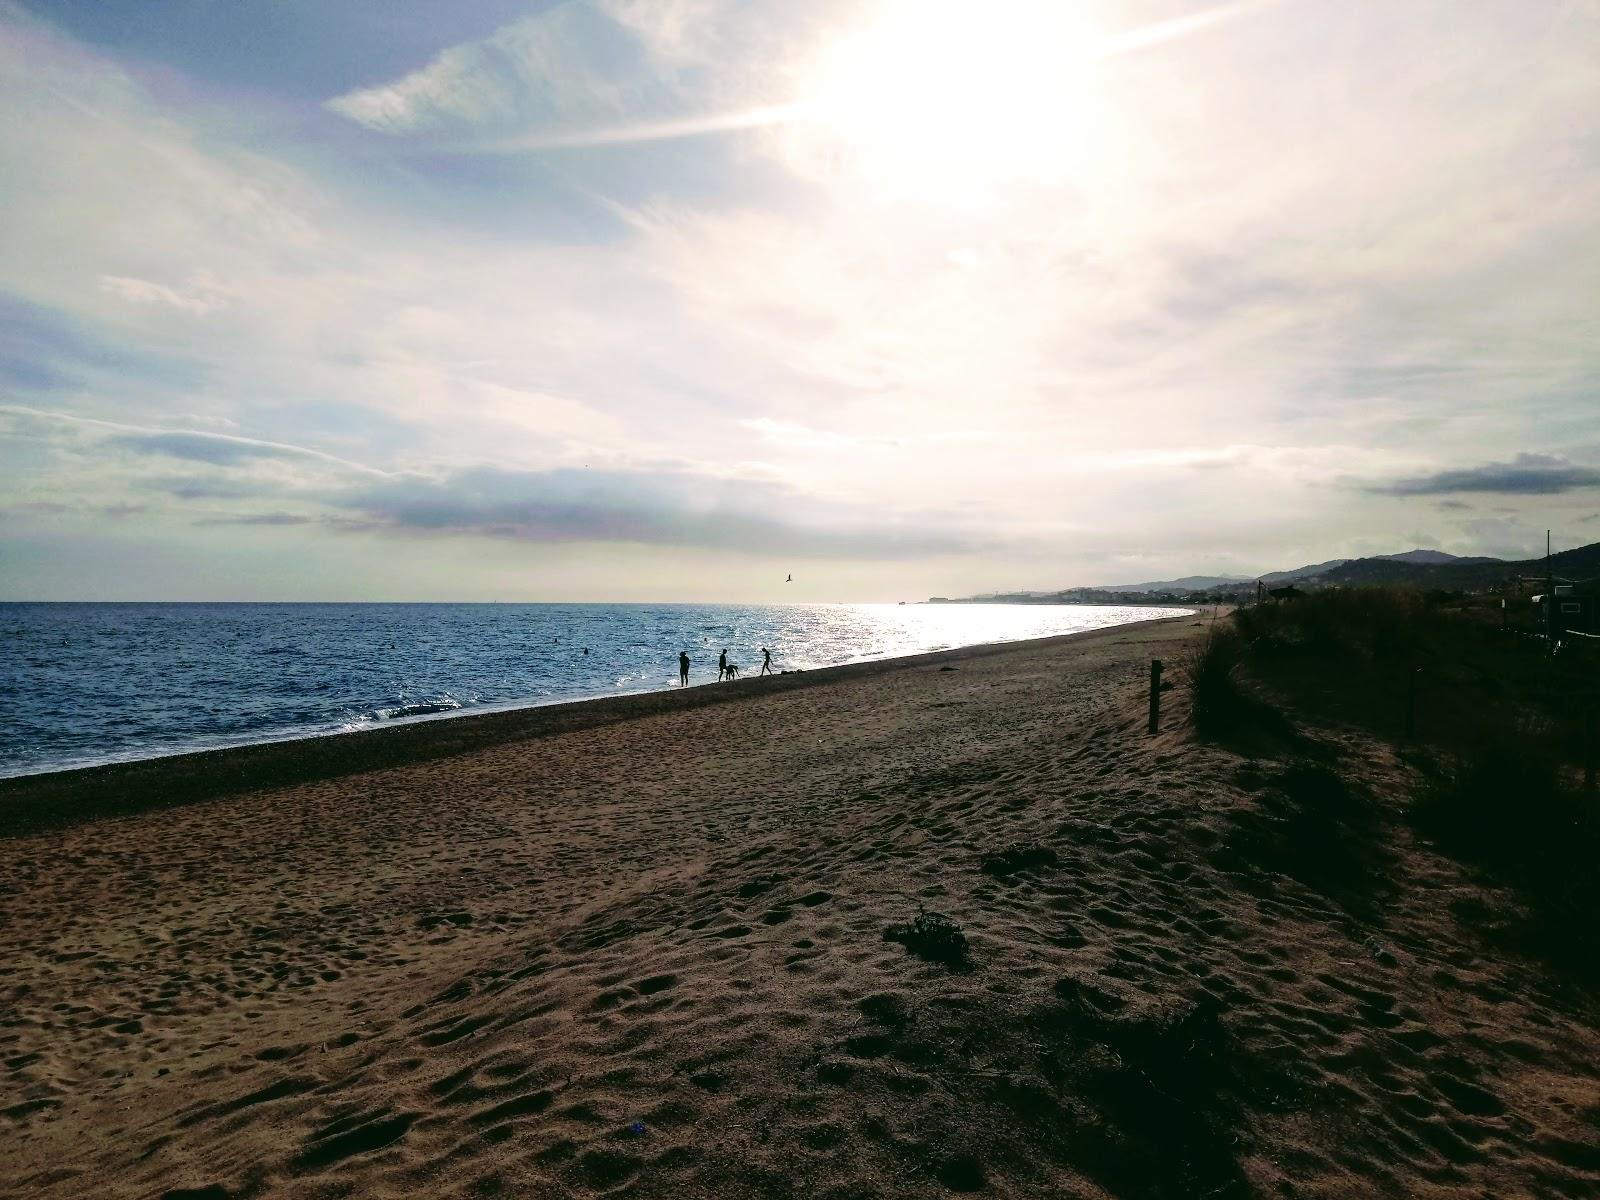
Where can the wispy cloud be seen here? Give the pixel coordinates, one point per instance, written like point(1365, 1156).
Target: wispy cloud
point(684, 506)
point(570, 62)
point(567, 75)
point(145, 291)
point(218, 449)
point(1159, 33)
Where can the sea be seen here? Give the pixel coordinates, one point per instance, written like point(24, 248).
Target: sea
point(84, 684)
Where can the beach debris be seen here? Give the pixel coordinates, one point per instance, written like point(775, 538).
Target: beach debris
point(933, 937)
point(636, 1129)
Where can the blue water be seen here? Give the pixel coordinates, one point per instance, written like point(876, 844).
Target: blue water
point(93, 683)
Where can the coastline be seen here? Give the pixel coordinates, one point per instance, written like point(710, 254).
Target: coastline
point(48, 799)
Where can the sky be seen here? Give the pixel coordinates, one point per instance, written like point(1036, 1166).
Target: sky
point(644, 300)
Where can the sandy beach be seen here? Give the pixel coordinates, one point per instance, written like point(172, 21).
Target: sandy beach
point(638, 948)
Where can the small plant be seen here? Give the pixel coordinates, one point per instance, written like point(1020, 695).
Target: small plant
point(933, 937)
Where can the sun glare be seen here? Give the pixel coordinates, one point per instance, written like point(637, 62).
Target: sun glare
point(951, 100)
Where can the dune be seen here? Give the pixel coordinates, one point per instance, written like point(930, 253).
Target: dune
point(951, 925)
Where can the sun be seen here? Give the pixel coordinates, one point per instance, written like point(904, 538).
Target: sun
point(953, 100)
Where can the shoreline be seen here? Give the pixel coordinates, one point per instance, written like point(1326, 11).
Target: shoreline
point(50, 799)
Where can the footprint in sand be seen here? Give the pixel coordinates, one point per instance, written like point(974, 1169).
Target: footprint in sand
point(350, 1136)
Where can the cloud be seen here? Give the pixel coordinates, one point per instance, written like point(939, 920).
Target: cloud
point(571, 62)
point(218, 449)
point(675, 505)
point(258, 519)
point(209, 487)
point(47, 508)
point(145, 291)
point(1525, 475)
point(652, 508)
point(1308, 248)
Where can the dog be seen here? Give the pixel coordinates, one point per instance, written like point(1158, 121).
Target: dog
point(732, 671)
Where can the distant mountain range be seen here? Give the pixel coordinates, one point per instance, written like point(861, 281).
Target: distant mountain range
point(1421, 568)
point(1200, 583)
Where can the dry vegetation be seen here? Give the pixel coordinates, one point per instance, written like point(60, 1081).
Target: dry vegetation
point(1490, 722)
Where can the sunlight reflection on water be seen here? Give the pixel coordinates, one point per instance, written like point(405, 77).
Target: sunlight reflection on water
point(88, 683)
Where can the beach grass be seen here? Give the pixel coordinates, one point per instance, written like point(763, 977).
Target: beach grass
point(1490, 721)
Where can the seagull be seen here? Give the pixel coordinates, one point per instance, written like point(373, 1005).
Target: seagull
point(790, 579)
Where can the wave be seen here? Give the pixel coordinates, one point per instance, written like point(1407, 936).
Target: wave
point(420, 709)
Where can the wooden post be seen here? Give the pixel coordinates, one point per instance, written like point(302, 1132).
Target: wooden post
point(1155, 694)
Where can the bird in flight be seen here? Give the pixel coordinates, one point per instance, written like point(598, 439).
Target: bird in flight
point(790, 579)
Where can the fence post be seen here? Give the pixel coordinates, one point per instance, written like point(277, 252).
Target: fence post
point(1155, 694)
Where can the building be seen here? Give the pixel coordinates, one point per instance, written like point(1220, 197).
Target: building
point(1568, 607)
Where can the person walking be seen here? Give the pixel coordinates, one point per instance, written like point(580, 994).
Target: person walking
point(722, 664)
point(766, 661)
point(683, 668)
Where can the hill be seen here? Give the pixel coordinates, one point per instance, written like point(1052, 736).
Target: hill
point(1432, 558)
point(1275, 578)
point(1461, 574)
point(1399, 565)
point(1188, 583)
point(1430, 569)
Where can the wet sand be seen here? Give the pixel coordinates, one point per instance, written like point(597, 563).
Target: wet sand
point(640, 951)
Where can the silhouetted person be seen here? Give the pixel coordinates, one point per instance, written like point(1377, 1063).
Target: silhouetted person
point(683, 668)
point(766, 661)
point(722, 664)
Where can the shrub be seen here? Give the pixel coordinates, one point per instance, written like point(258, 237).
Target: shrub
point(1215, 700)
point(1375, 623)
point(933, 937)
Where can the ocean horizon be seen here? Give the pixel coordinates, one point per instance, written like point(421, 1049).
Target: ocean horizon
point(85, 683)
